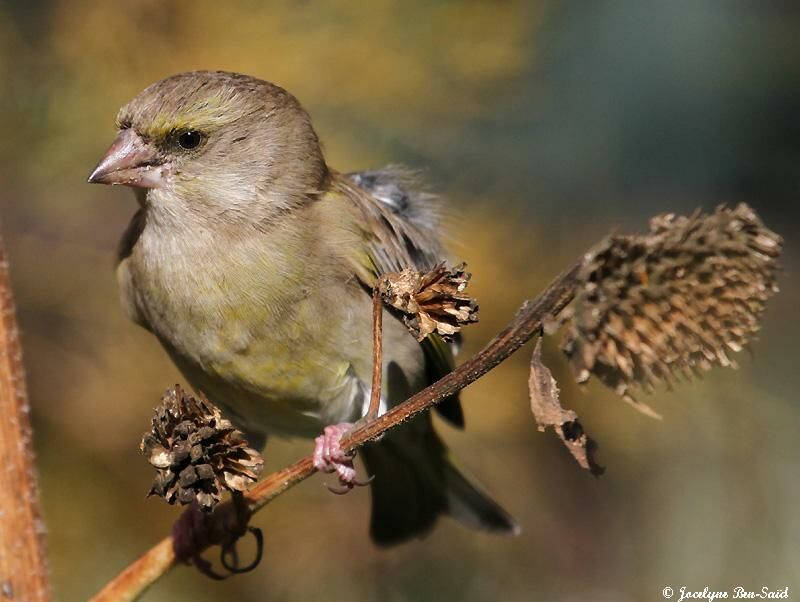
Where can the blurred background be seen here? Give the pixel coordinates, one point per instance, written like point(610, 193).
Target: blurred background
point(545, 125)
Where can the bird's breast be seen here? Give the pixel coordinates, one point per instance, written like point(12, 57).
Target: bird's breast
point(248, 325)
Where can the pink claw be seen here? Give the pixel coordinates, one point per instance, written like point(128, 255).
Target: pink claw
point(330, 458)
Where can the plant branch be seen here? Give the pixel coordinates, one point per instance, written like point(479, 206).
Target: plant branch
point(377, 355)
point(137, 577)
point(23, 562)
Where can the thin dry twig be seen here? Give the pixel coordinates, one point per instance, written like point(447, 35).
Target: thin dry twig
point(377, 355)
point(147, 569)
point(23, 561)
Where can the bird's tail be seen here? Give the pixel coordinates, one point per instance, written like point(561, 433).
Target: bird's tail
point(415, 480)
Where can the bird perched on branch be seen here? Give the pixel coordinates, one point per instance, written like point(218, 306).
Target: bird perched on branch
point(252, 261)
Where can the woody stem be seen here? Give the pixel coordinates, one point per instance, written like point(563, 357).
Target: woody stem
point(23, 563)
point(377, 355)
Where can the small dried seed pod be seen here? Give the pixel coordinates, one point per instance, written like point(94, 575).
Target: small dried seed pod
point(197, 453)
point(431, 302)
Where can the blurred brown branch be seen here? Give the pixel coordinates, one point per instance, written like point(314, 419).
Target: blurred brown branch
point(23, 562)
point(146, 570)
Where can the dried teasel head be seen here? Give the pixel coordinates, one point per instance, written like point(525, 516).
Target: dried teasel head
point(431, 302)
point(673, 302)
point(198, 454)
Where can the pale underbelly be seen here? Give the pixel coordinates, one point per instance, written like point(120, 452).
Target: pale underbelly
point(282, 351)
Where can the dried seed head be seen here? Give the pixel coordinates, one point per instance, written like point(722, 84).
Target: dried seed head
point(672, 302)
point(431, 302)
point(198, 454)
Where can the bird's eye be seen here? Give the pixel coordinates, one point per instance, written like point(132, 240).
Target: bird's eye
point(190, 139)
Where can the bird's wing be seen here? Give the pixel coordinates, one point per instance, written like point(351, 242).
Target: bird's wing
point(401, 225)
point(400, 222)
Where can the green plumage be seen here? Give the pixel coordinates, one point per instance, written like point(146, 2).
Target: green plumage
point(252, 262)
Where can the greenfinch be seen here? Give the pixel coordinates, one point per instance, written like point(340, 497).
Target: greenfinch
point(252, 261)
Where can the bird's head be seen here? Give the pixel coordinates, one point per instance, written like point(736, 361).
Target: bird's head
point(215, 143)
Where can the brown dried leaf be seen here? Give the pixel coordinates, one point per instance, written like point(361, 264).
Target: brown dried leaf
point(547, 411)
point(431, 302)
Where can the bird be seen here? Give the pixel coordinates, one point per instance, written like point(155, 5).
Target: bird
point(252, 261)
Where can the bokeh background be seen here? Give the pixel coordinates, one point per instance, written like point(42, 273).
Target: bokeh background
point(545, 125)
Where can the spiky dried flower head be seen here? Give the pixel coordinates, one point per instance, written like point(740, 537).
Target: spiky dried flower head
point(673, 302)
point(433, 301)
point(198, 454)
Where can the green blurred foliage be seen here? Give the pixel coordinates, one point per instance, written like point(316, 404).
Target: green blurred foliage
point(545, 126)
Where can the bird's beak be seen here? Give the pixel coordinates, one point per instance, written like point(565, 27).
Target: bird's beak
point(129, 161)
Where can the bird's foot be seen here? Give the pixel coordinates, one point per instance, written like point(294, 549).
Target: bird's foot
point(329, 457)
